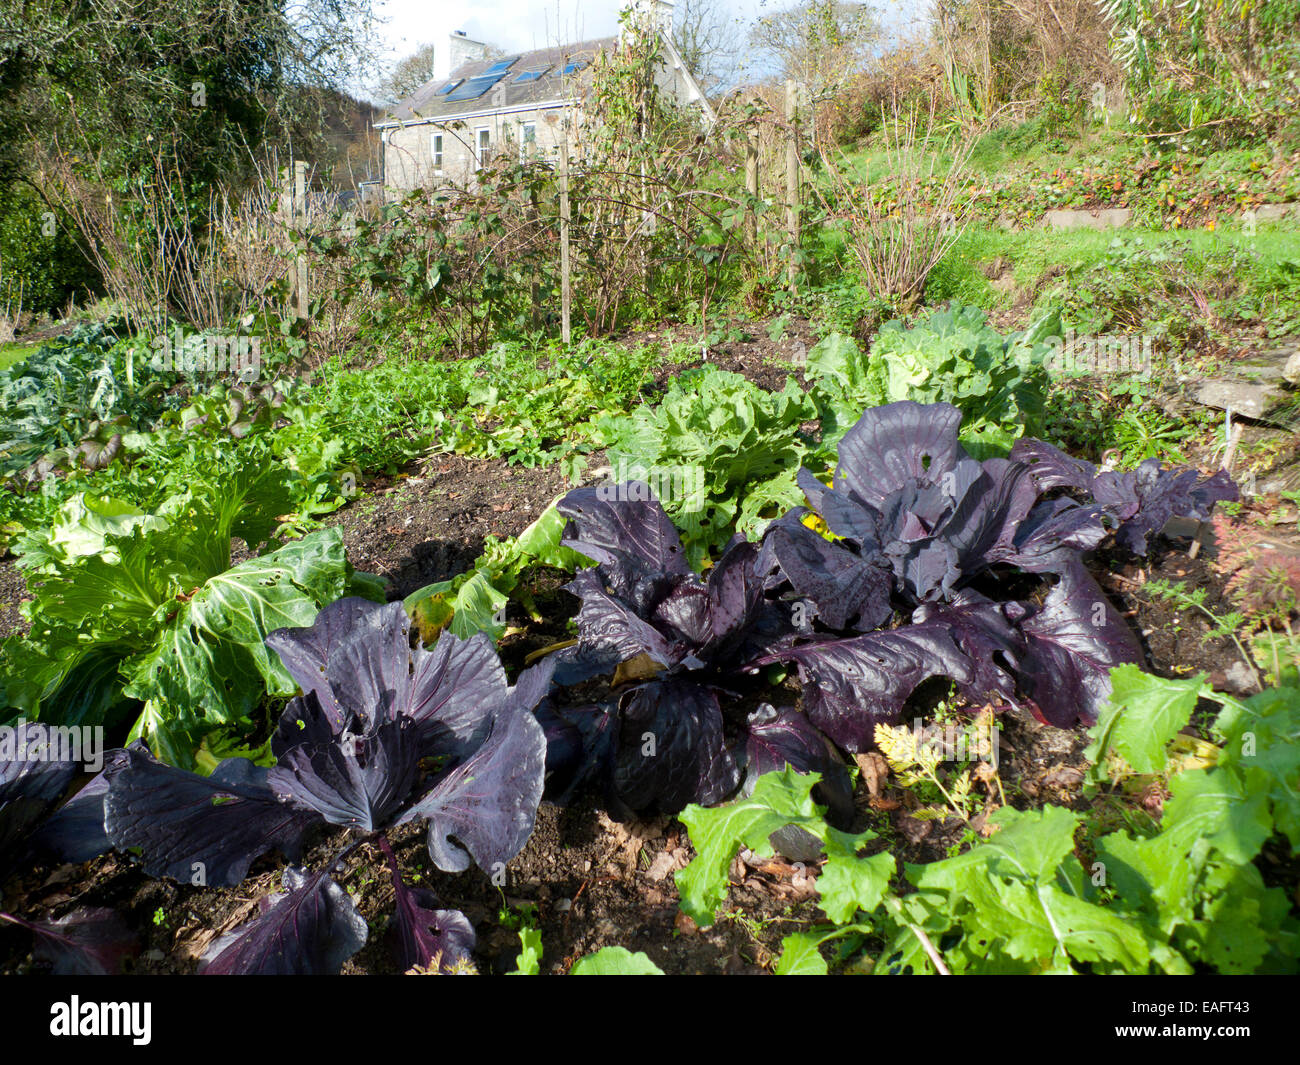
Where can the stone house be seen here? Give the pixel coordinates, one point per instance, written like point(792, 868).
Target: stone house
point(530, 103)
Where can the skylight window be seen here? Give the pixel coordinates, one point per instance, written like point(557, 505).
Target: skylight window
point(501, 67)
point(448, 87)
point(531, 75)
point(575, 65)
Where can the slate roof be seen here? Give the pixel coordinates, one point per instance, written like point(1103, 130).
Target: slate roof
point(430, 101)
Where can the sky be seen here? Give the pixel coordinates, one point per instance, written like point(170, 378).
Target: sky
point(518, 25)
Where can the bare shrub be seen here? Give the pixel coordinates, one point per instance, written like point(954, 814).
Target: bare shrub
point(1000, 52)
point(140, 244)
point(899, 230)
point(161, 259)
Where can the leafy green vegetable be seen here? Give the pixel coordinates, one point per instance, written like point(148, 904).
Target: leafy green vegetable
point(1143, 716)
point(615, 961)
point(1023, 901)
point(52, 399)
point(137, 608)
point(474, 601)
point(1261, 744)
point(1019, 900)
point(721, 453)
point(949, 356)
point(529, 962)
point(1194, 883)
point(779, 799)
point(530, 404)
point(208, 665)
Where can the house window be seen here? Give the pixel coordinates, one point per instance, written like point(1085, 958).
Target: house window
point(527, 140)
point(483, 145)
point(435, 149)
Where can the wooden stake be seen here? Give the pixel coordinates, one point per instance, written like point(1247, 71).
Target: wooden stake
point(566, 294)
point(1229, 455)
point(751, 184)
point(300, 301)
point(792, 180)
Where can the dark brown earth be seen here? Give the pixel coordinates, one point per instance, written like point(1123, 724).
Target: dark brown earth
point(432, 524)
point(593, 882)
point(747, 349)
point(13, 592)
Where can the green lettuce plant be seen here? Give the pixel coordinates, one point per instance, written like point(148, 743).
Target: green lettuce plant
point(727, 450)
point(950, 355)
point(141, 613)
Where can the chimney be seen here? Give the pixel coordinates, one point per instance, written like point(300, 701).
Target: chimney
point(465, 50)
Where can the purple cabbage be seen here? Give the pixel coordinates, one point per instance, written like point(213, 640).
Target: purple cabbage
point(1143, 500)
point(89, 941)
point(383, 734)
point(34, 780)
point(924, 532)
point(681, 648)
point(32, 785)
point(312, 927)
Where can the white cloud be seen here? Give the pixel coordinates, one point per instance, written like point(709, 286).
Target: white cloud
point(519, 25)
point(515, 25)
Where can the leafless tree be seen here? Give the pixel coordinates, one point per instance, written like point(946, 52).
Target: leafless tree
point(819, 43)
point(710, 39)
point(409, 74)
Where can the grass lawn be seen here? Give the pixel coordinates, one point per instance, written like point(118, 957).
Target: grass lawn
point(1266, 263)
point(12, 353)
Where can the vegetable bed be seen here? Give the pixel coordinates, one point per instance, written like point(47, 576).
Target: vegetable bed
point(583, 881)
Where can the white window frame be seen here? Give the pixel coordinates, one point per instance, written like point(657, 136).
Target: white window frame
point(482, 146)
point(527, 148)
point(436, 151)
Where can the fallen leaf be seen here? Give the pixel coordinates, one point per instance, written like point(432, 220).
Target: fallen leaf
point(875, 771)
point(665, 863)
point(1062, 776)
point(913, 828)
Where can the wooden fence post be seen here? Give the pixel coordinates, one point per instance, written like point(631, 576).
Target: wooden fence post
point(792, 180)
point(293, 214)
point(300, 202)
point(566, 294)
point(751, 184)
